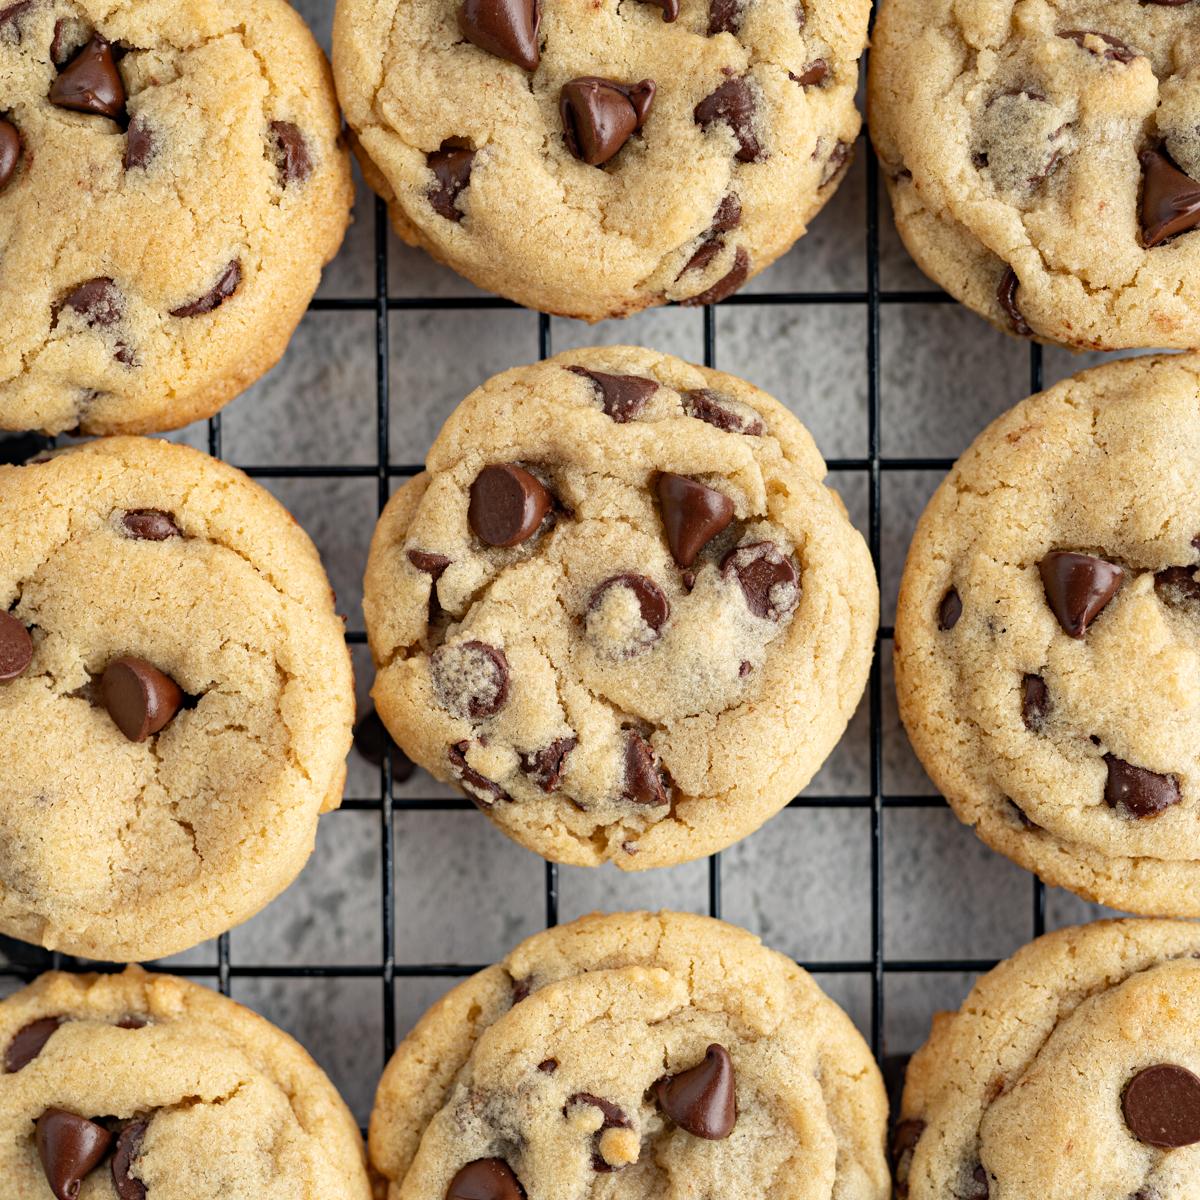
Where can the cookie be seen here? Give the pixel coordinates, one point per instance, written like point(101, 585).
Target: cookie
point(1071, 1070)
point(592, 159)
point(1048, 635)
point(637, 1055)
point(619, 609)
point(1043, 160)
point(171, 183)
point(176, 696)
point(144, 1086)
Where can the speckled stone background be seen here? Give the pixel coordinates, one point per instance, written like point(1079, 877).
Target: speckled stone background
point(465, 893)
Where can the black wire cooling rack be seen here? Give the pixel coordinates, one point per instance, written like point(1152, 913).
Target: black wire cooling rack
point(26, 962)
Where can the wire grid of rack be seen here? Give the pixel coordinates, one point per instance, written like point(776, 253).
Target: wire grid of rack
point(26, 962)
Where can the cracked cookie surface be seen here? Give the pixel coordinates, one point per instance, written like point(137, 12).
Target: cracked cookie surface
point(620, 609)
point(174, 1091)
point(1071, 1070)
point(633, 1056)
point(1043, 160)
point(519, 142)
point(190, 156)
point(1048, 635)
point(176, 694)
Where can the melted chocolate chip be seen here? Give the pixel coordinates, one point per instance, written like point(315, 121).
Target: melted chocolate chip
point(812, 74)
point(702, 1099)
point(451, 166)
point(715, 409)
point(507, 505)
point(1035, 702)
point(1006, 294)
point(139, 145)
point(623, 396)
point(292, 159)
point(1136, 791)
point(227, 283)
point(670, 8)
point(949, 610)
point(652, 605)
point(16, 648)
point(643, 776)
point(429, 562)
point(599, 115)
point(548, 1066)
point(150, 525)
point(98, 301)
point(1170, 199)
point(977, 1187)
point(90, 82)
point(129, 1146)
point(1115, 49)
point(10, 151)
point(374, 743)
point(727, 284)
point(732, 104)
point(70, 1147)
point(11, 15)
point(768, 578)
point(1178, 585)
point(839, 158)
point(506, 28)
point(1078, 587)
point(692, 513)
point(485, 1179)
point(613, 1118)
point(725, 16)
point(470, 679)
point(140, 699)
point(545, 766)
point(1161, 1106)
point(28, 1042)
point(485, 792)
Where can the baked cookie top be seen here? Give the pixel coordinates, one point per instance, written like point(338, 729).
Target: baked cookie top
point(637, 1055)
point(591, 158)
point(620, 609)
point(146, 1087)
point(176, 697)
point(171, 183)
point(1048, 635)
point(1043, 159)
point(1071, 1070)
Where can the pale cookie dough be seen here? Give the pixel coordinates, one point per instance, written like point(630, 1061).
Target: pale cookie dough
point(638, 1056)
point(1043, 159)
point(1048, 635)
point(1070, 1071)
point(595, 157)
point(172, 180)
point(146, 1087)
point(153, 593)
point(619, 608)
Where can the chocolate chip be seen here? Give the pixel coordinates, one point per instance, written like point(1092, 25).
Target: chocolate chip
point(613, 1118)
point(949, 610)
point(767, 576)
point(623, 396)
point(712, 407)
point(643, 776)
point(520, 987)
point(69, 34)
point(292, 158)
point(1078, 586)
point(451, 166)
point(133, 1021)
point(11, 15)
point(744, 669)
point(725, 16)
point(139, 697)
point(129, 1146)
point(483, 791)
point(1035, 702)
point(90, 82)
point(727, 284)
point(812, 74)
point(1170, 199)
point(548, 1066)
point(429, 562)
point(1161, 1106)
point(227, 283)
point(69, 1147)
point(652, 602)
point(702, 1099)
point(139, 145)
point(10, 151)
point(838, 158)
point(16, 648)
point(692, 513)
point(1178, 585)
point(1006, 294)
point(688, 579)
point(977, 1188)
point(545, 765)
point(28, 1042)
point(507, 505)
point(470, 679)
point(733, 104)
point(1117, 50)
point(98, 301)
point(506, 28)
point(150, 525)
point(599, 115)
point(373, 742)
point(1137, 791)
point(670, 8)
point(904, 1143)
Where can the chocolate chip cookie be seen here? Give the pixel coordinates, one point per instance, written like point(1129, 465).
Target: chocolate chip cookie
point(171, 183)
point(593, 158)
point(1043, 161)
point(176, 696)
point(619, 609)
point(1048, 635)
point(1071, 1070)
point(637, 1056)
point(145, 1086)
